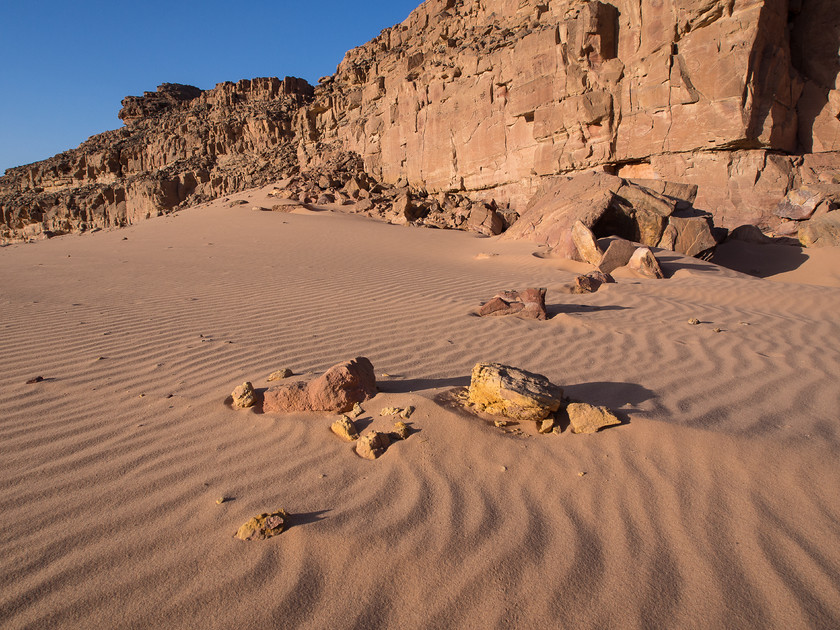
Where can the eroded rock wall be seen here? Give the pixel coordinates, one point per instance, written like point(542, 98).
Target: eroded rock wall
point(493, 96)
point(180, 145)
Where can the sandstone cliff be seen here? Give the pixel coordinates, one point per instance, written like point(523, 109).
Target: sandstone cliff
point(179, 146)
point(489, 99)
point(496, 95)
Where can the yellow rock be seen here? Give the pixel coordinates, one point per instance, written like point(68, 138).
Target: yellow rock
point(402, 430)
point(508, 391)
point(585, 418)
point(345, 428)
point(263, 526)
point(244, 396)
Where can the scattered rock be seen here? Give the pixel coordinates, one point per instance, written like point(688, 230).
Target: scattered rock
point(391, 411)
point(585, 418)
point(693, 321)
point(244, 396)
point(372, 444)
point(547, 425)
point(517, 394)
point(617, 255)
point(644, 262)
point(591, 282)
point(263, 526)
point(402, 430)
point(337, 390)
point(37, 379)
point(280, 374)
point(221, 500)
point(356, 411)
point(528, 304)
point(345, 428)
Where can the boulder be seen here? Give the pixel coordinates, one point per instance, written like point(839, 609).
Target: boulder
point(263, 526)
point(822, 231)
point(799, 204)
point(244, 396)
point(644, 262)
point(591, 282)
point(345, 428)
point(528, 304)
point(587, 248)
point(337, 390)
point(514, 393)
point(372, 444)
point(585, 418)
point(617, 255)
point(692, 235)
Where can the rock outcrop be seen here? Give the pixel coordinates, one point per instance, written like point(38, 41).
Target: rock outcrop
point(180, 146)
point(470, 108)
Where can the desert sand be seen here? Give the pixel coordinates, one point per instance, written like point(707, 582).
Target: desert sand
point(713, 506)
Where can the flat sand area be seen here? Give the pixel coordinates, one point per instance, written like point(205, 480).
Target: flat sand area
point(715, 505)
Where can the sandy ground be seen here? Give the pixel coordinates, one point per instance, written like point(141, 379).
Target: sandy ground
point(714, 506)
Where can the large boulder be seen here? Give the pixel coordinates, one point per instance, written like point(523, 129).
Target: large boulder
point(337, 390)
point(514, 393)
point(617, 255)
point(822, 231)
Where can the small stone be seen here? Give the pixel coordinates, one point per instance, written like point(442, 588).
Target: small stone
point(547, 425)
point(221, 500)
point(501, 423)
point(402, 430)
point(581, 474)
point(693, 321)
point(504, 468)
point(262, 526)
point(244, 396)
point(586, 418)
point(390, 411)
point(372, 444)
point(37, 379)
point(406, 413)
point(280, 374)
point(591, 282)
point(356, 411)
point(717, 330)
point(345, 429)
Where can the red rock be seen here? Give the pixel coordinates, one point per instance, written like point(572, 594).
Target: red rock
point(337, 390)
point(528, 304)
point(591, 282)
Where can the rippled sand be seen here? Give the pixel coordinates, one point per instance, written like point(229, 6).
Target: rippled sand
point(714, 505)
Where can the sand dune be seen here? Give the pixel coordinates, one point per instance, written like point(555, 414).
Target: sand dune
point(714, 505)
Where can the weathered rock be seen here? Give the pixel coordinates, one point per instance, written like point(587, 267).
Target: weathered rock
point(263, 526)
point(692, 234)
point(528, 304)
point(345, 428)
point(244, 396)
point(546, 426)
point(617, 255)
point(749, 234)
point(585, 418)
point(822, 231)
point(517, 394)
point(337, 390)
point(799, 204)
point(280, 374)
point(372, 444)
point(591, 282)
point(402, 430)
point(587, 248)
point(644, 262)
point(356, 411)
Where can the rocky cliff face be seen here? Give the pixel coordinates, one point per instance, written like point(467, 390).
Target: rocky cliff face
point(494, 96)
point(179, 146)
point(489, 99)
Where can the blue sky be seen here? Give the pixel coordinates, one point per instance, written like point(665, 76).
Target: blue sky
point(65, 66)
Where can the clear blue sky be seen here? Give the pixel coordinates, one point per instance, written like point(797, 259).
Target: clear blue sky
point(65, 66)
